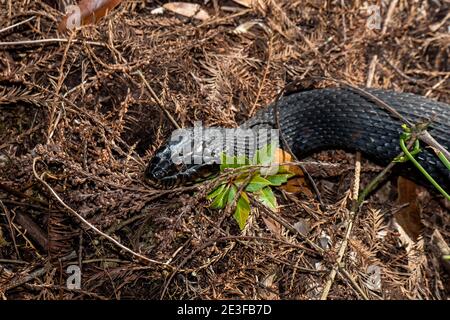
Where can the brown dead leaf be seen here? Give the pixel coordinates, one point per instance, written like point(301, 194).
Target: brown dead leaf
point(270, 288)
point(297, 184)
point(282, 156)
point(245, 3)
point(86, 12)
point(246, 26)
point(273, 226)
point(190, 10)
point(441, 248)
point(409, 217)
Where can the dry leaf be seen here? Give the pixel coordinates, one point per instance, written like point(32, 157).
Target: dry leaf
point(190, 10)
point(297, 184)
point(303, 226)
point(246, 26)
point(159, 10)
point(282, 156)
point(273, 226)
point(409, 217)
point(270, 288)
point(86, 12)
point(373, 281)
point(245, 3)
point(441, 247)
point(325, 240)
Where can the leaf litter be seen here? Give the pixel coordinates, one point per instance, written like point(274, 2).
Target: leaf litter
point(76, 104)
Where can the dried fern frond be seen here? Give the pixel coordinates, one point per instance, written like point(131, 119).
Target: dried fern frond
point(15, 95)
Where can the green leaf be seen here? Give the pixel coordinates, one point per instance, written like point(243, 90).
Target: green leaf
point(266, 154)
point(216, 191)
point(240, 180)
point(232, 194)
point(242, 160)
point(257, 183)
point(227, 161)
point(267, 198)
point(279, 179)
point(221, 199)
point(285, 170)
point(242, 211)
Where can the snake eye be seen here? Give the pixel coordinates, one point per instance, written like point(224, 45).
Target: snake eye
point(158, 174)
point(155, 169)
point(161, 166)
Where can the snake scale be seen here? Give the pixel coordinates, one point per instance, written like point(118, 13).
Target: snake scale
point(332, 118)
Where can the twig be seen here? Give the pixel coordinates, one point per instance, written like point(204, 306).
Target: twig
point(87, 223)
point(426, 137)
point(33, 275)
point(22, 195)
point(442, 248)
point(355, 206)
point(288, 226)
point(11, 229)
point(261, 84)
point(9, 261)
point(376, 100)
point(374, 61)
point(380, 177)
point(400, 72)
point(344, 24)
point(222, 239)
point(437, 85)
point(24, 280)
point(289, 150)
point(46, 41)
point(32, 229)
point(371, 73)
point(390, 12)
point(344, 273)
point(344, 243)
point(16, 24)
point(158, 101)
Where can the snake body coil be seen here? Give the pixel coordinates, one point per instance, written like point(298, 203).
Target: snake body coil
point(335, 118)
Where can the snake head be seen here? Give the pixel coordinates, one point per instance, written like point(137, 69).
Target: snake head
point(160, 166)
point(164, 165)
point(181, 161)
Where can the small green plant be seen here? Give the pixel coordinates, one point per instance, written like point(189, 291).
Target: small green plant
point(257, 178)
point(409, 156)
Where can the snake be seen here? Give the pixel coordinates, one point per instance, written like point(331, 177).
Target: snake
point(310, 121)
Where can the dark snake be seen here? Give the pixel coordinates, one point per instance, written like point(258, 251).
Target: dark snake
point(321, 119)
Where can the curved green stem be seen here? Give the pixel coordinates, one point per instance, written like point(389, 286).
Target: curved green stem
point(444, 160)
point(422, 170)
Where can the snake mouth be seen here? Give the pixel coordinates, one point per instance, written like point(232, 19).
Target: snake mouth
point(179, 176)
point(158, 169)
point(164, 173)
